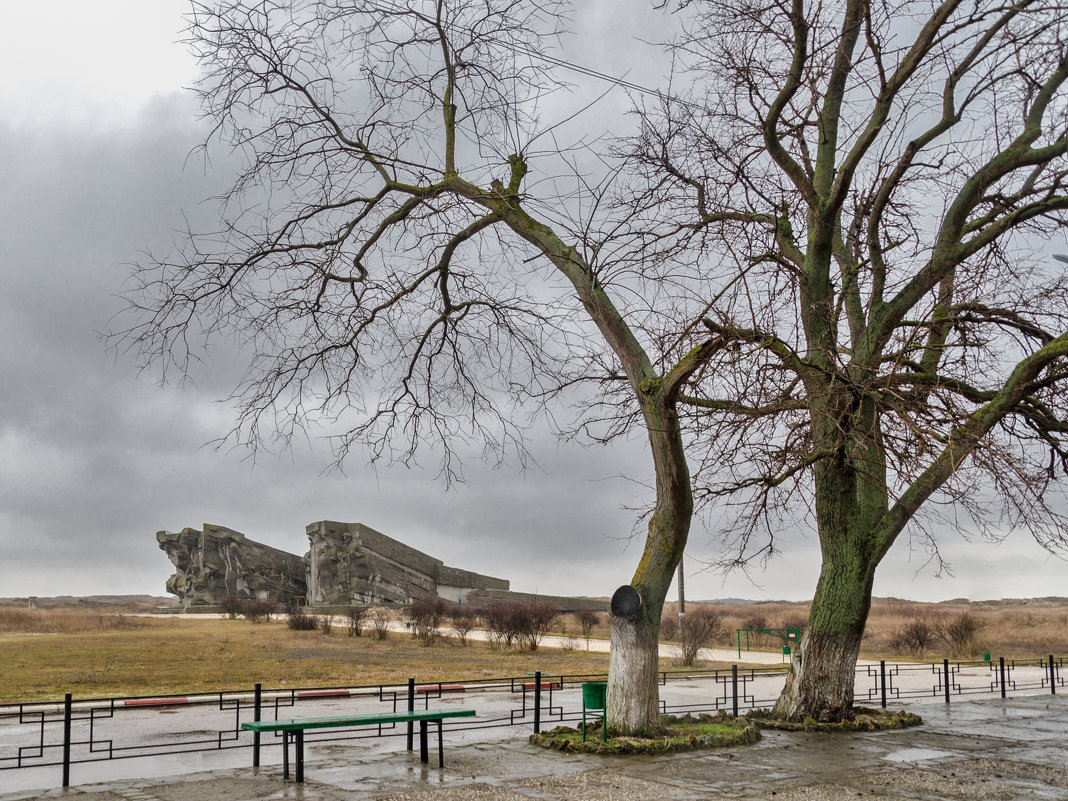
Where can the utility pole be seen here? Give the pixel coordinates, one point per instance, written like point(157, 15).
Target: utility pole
point(682, 598)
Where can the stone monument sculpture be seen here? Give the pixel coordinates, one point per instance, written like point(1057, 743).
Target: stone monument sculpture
point(219, 562)
point(348, 563)
point(352, 563)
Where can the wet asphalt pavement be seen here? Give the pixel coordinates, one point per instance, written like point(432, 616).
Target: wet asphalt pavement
point(985, 749)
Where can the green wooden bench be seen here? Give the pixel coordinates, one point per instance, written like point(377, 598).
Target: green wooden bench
point(297, 728)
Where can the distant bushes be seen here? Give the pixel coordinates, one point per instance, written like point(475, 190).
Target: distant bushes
point(921, 633)
point(509, 623)
point(381, 621)
point(255, 610)
point(299, 620)
point(522, 624)
point(355, 617)
point(426, 615)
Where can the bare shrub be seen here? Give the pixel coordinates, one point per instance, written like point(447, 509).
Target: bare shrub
point(298, 620)
point(499, 618)
point(914, 637)
point(570, 641)
point(535, 620)
point(461, 620)
point(232, 606)
point(258, 610)
point(700, 628)
point(958, 633)
point(380, 620)
point(517, 623)
point(355, 617)
point(587, 620)
point(325, 623)
point(426, 615)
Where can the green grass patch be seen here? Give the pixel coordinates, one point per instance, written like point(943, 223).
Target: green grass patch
point(687, 733)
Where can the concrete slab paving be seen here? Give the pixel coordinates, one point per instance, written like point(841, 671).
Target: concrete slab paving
point(984, 749)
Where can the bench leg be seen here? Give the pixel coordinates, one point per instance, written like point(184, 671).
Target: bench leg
point(424, 757)
point(300, 756)
point(441, 756)
point(285, 755)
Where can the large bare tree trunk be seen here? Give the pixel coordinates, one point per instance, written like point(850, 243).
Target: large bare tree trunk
point(850, 502)
point(820, 682)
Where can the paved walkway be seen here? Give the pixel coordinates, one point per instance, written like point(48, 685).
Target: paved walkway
point(988, 749)
point(599, 645)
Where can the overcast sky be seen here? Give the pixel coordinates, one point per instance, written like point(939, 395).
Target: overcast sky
point(94, 460)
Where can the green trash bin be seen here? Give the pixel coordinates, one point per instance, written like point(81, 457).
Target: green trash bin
point(593, 698)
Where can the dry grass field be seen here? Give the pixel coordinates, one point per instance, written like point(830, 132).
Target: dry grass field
point(94, 651)
point(140, 656)
point(900, 629)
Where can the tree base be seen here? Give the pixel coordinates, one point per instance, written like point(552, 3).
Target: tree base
point(859, 719)
point(687, 733)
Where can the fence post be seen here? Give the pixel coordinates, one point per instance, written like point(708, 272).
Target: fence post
point(1001, 667)
point(1052, 677)
point(945, 677)
point(734, 687)
point(66, 740)
point(411, 708)
point(537, 701)
point(882, 680)
point(257, 698)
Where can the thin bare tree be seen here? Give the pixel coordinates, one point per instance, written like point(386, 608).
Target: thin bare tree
point(396, 272)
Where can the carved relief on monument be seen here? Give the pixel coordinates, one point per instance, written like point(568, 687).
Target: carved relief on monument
point(219, 562)
point(352, 563)
point(181, 549)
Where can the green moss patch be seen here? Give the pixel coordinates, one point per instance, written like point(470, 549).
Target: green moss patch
point(863, 719)
point(687, 733)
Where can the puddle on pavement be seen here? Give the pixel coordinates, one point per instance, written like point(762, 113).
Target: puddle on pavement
point(916, 755)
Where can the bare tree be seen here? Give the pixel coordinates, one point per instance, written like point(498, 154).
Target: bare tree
point(883, 175)
point(396, 274)
point(462, 619)
point(816, 272)
point(425, 615)
point(703, 627)
point(587, 620)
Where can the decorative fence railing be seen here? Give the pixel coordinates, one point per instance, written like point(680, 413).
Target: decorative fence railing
point(50, 734)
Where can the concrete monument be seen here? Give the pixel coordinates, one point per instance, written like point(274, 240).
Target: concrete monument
point(219, 562)
point(352, 563)
point(349, 563)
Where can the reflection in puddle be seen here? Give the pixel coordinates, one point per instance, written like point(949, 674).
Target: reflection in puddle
point(916, 755)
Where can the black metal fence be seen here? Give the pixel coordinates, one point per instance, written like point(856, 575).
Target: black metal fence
point(50, 734)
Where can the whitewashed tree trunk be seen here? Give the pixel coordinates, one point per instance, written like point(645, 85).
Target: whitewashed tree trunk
point(633, 703)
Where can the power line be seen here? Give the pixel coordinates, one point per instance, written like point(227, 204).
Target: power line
point(386, 5)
